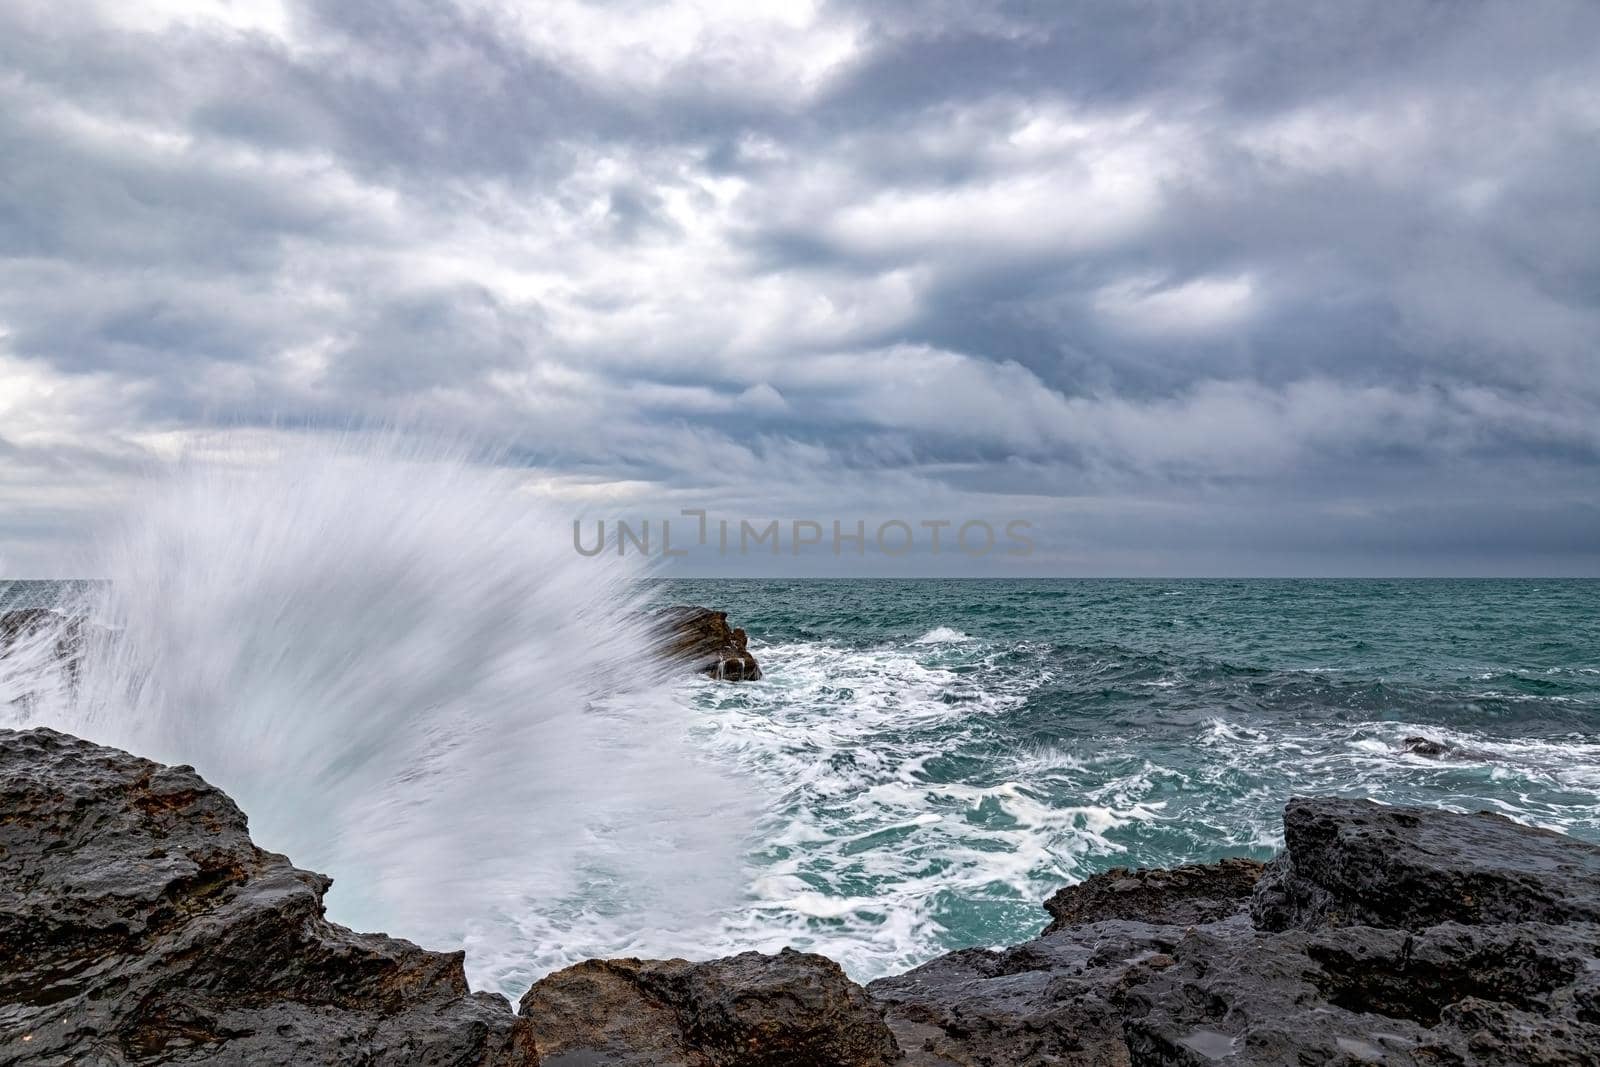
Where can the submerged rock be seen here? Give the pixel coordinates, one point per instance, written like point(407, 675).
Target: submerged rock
point(702, 640)
point(140, 925)
point(789, 1010)
point(1427, 746)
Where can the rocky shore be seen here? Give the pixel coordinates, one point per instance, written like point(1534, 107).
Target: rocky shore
point(140, 925)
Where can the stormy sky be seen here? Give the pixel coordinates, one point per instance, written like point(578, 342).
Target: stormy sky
point(1195, 288)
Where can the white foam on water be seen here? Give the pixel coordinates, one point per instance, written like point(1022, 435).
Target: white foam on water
point(942, 635)
point(1548, 782)
point(870, 853)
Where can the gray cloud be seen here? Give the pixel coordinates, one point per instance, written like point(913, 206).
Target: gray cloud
point(1197, 287)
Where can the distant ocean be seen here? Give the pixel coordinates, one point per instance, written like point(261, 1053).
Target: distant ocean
point(935, 757)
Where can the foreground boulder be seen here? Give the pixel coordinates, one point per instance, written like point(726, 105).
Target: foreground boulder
point(751, 1010)
point(1401, 936)
point(702, 640)
point(1353, 862)
point(139, 925)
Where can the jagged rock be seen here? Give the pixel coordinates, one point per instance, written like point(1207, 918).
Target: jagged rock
point(1178, 896)
point(752, 1010)
point(1355, 862)
point(1500, 995)
point(1056, 1000)
point(1060, 999)
point(702, 640)
point(140, 925)
point(1447, 968)
point(1235, 995)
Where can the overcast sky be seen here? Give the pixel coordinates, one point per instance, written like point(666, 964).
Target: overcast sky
point(1196, 288)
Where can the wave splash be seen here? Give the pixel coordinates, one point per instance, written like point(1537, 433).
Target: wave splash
point(392, 660)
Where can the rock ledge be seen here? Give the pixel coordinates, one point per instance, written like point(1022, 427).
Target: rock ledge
point(139, 925)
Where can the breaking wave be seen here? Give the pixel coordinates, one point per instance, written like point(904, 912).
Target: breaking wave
point(391, 658)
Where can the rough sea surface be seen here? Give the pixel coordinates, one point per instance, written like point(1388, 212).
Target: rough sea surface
point(930, 759)
point(941, 755)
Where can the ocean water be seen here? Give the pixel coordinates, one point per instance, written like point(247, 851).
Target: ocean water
point(926, 760)
point(939, 756)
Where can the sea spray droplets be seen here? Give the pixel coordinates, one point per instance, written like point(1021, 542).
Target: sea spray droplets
point(390, 659)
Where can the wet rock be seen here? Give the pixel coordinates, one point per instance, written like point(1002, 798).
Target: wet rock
point(1418, 976)
point(752, 1010)
point(1235, 995)
point(1444, 750)
point(1178, 896)
point(1426, 746)
point(1401, 936)
point(1500, 995)
point(1057, 1000)
point(140, 925)
point(1453, 995)
point(1354, 862)
point(702, 640)
point(24, 623)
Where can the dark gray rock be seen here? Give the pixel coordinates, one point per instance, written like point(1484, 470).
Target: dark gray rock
point(701, 640)
point(139, 925)
point(752, 1010)
point(1057, 1000)
point(1418, 976)
point(1498, 995)
point(1355, 862)
point(1178, 896)
point(1427, 746)
point(1235, 995)
point(1383, 935)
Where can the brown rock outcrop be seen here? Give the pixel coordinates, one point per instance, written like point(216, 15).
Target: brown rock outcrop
point(702, 640)
point(793, 1009)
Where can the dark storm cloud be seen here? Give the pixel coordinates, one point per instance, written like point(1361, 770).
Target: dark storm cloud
point(1318, 281)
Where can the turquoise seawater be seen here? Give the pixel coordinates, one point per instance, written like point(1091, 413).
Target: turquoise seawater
point(940, 755)
point(928, 760)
